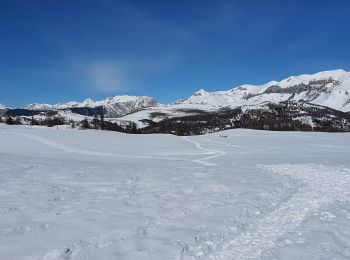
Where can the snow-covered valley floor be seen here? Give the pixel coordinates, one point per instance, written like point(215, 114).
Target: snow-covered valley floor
point(71, 194)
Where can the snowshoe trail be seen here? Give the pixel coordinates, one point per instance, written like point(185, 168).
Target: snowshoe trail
point(319, 186)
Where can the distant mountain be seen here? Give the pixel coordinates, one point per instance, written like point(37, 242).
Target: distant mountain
point(293, 101)
point(2, 107)
point(328, 88)
point(3, 110)
point(113, 106)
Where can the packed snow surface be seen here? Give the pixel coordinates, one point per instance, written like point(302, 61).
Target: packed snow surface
point(238, 194)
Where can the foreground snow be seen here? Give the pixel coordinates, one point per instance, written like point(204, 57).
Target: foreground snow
point(70, 194)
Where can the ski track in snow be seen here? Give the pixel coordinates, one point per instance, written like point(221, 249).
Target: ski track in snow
point(319, 186)
point(216, 153)
point(71, 149)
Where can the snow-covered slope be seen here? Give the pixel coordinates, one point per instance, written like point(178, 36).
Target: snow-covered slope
point(68, 194)
point(114, 106)
point(2, 106)
point(328, 88)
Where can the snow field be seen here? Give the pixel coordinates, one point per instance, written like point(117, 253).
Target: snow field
point(70, 194)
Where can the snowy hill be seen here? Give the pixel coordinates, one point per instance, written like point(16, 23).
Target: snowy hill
point(3, 110)
point(2, 107)
point(113, 106)
point(328, 88)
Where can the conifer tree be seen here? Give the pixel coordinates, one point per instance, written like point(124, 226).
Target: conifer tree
point(9, 120)
point(85, 124)
point(17, 120)
point(102, 121)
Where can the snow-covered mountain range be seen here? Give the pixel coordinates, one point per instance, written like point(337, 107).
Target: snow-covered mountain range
point(2, 106)
point(322, 92)
point(328, 88)
point(113, 106)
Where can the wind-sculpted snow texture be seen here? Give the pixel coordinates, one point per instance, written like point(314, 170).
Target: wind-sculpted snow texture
point(237, 194)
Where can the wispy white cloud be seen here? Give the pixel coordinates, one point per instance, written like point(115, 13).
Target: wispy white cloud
point(119, 76)
point(104, 76)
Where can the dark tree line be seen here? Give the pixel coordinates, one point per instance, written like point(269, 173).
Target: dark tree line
point(96, 123)
point(48, 121)
point(12, 121)
point(101, 124)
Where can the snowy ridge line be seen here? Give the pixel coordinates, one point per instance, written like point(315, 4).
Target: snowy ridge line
point(70, 149)
point(107, 102)
point(320, 185)
point(3, 106)
point(326, 89)
point(216, 153)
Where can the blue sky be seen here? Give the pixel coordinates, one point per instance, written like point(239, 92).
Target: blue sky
point(62, 50)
